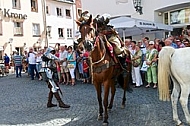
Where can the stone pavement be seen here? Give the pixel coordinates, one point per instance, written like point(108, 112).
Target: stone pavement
point(23, 103)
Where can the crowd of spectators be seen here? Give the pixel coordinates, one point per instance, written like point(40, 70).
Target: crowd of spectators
point(74, 63)
point(144, 58)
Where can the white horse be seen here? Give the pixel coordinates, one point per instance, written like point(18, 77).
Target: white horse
point(175, 63)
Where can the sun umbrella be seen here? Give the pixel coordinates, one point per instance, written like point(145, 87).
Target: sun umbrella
point(127, 26)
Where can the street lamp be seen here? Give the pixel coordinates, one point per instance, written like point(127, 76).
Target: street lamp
point(138, 6)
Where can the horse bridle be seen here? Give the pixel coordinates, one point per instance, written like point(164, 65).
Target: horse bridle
point(93, 42)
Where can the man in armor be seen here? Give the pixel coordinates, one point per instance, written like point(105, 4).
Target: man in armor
point(49, 73)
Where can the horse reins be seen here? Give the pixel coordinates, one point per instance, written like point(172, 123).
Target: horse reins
point(104, 48)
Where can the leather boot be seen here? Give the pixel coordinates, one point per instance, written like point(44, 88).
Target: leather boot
point(61, 104)
point(49, 104)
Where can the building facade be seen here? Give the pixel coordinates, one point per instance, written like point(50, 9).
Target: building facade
point(20, 24)
point(60, 20)
point(172, 12)
point(26, 23)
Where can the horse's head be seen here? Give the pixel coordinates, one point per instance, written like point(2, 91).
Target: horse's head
point(87, 33)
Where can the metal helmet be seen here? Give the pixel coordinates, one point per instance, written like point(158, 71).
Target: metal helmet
point(50, 51)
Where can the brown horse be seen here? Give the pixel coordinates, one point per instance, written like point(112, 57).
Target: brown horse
point(103, 68)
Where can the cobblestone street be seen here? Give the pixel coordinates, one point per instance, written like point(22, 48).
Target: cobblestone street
point(23, 103)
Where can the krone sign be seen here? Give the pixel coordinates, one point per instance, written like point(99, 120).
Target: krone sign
point(8, 14)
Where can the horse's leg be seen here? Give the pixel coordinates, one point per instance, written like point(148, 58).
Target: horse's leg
point(126, 83)
point(184, 101)
point(174, 100)
point(99, 91)
point(106, 94)
point(124, 99)
point(112, 95)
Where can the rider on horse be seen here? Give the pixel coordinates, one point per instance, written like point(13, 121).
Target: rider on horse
point(119, 53)
point(116, 45)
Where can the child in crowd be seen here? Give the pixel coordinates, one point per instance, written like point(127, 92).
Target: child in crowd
point(85, 71)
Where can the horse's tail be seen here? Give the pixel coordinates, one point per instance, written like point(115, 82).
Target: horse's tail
point(164, 63)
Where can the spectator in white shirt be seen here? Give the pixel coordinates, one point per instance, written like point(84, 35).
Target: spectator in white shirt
point(32, 63)
point(64, 69)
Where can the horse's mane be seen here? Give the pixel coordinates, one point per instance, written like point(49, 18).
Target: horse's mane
point(101, 42)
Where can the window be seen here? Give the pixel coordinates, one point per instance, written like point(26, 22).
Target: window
point(69, 33)
point(166, 18)
point(18, 28)
point(180, 16)
point(36, 30)
point(16, 4)
point(1, 54)
point(47, 10)
point(1, 28)
point(58, 11)
point(60, 32)
point(20, 50)
point(49, 31)
point(34, 5)
point(79, 13)
point(68, 13)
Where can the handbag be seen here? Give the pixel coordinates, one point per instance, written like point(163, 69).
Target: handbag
point(144, 66)
point(69, 65)
point(136, 63)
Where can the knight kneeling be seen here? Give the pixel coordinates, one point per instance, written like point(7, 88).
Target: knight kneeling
point(49, 74)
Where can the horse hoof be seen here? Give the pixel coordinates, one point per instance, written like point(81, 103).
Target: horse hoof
point(181, 124)
point(105, 124)
point(122, 106)
point(109, 107)
point(100, 117)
